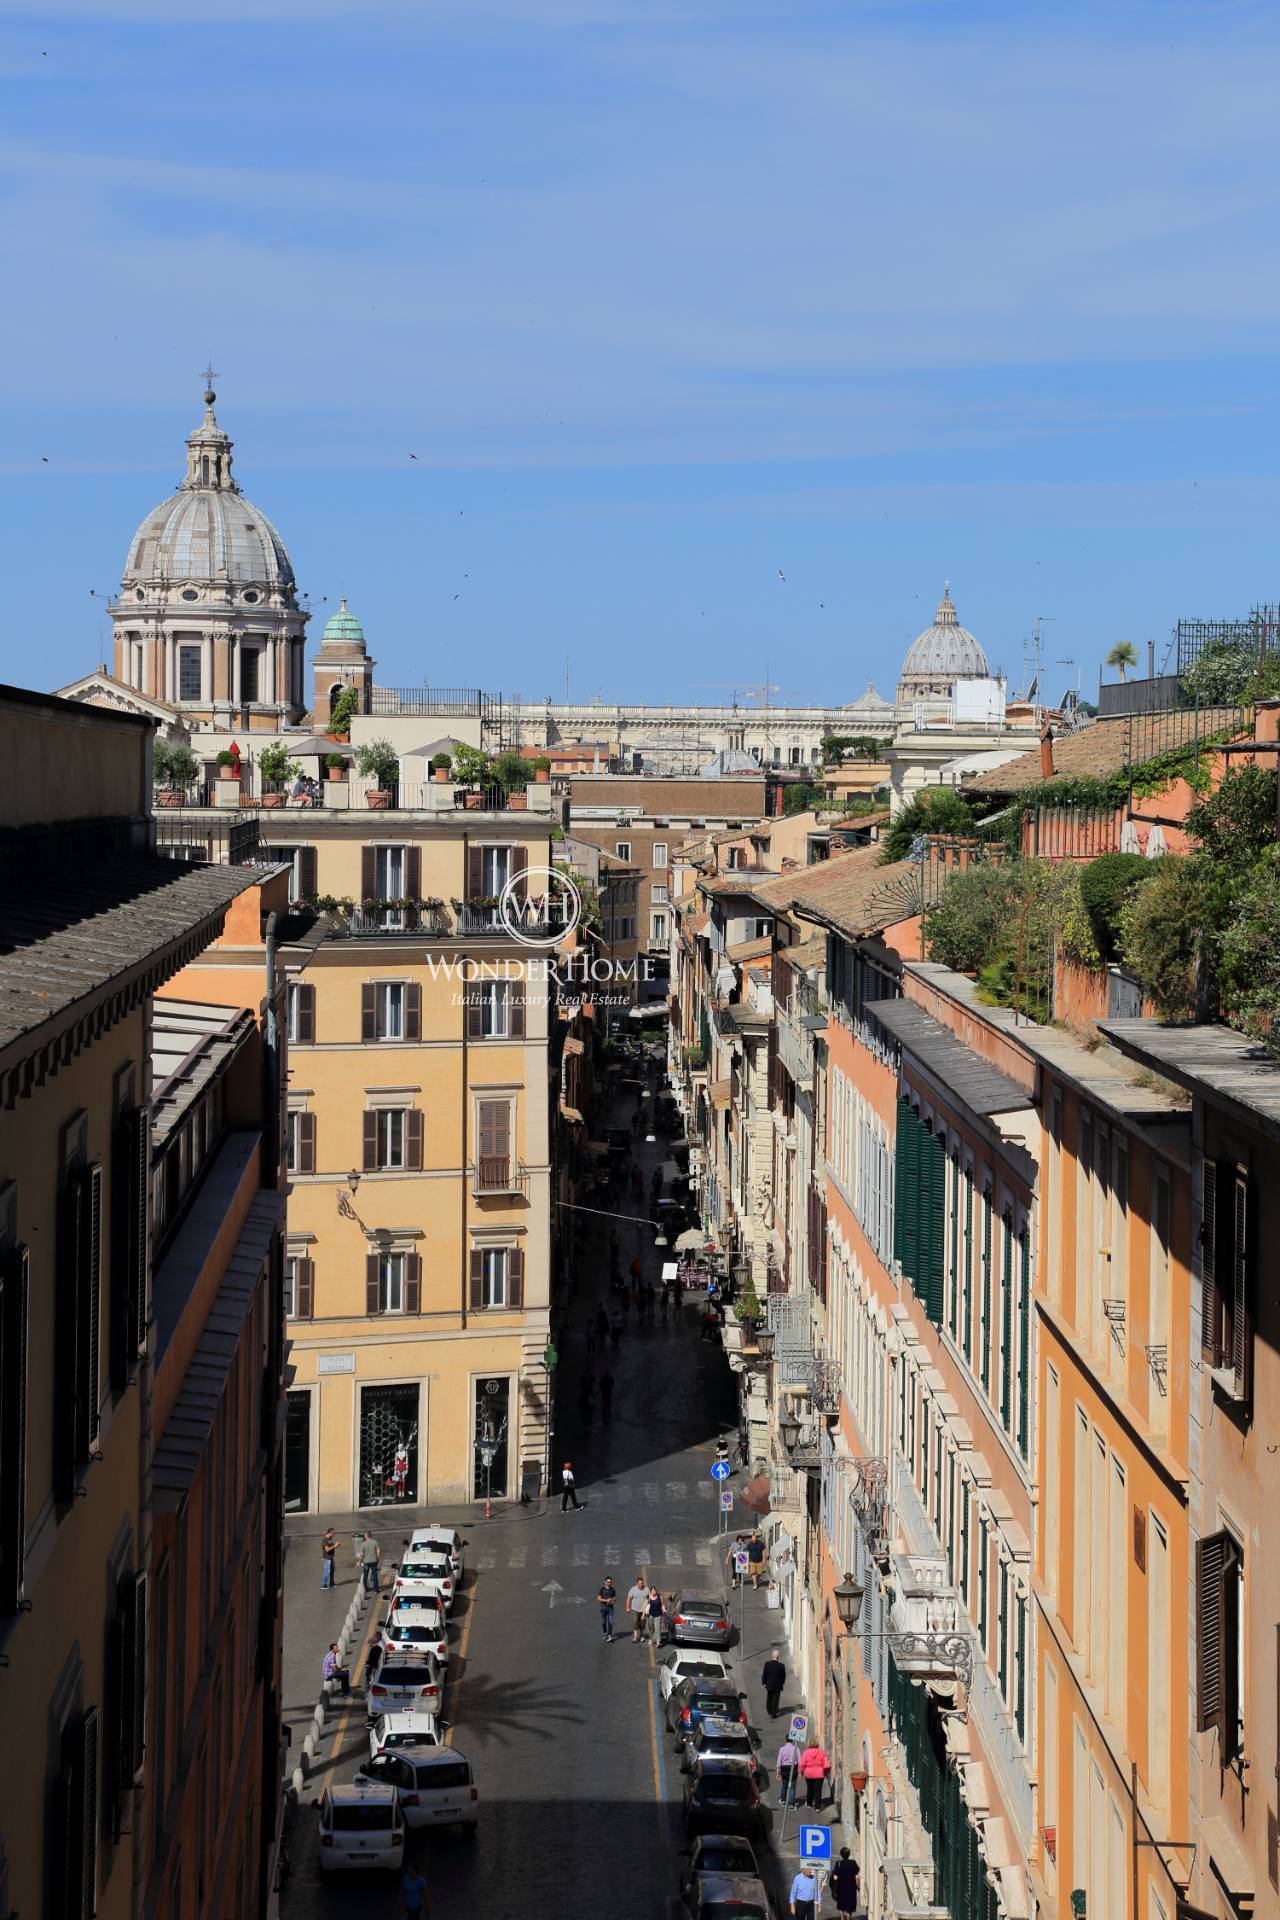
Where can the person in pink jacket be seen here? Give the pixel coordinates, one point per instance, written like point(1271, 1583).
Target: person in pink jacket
point(815, 1765)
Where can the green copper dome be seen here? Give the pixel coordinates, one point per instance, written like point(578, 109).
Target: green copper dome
point(343, 628)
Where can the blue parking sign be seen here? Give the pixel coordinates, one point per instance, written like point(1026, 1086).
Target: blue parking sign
point(720, 1470)
point(815, 1843)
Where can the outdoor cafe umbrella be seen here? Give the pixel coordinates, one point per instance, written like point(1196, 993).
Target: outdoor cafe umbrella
point(692, 1240)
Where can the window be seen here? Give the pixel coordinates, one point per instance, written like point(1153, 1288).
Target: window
point(1226, 1276)
point(299, 1286)
point(393, 1283)
point(302, 871)
point(14, 1294)
point(494, 1164)
point(658, 895)
point(77, 1316)
point(497, 1279)
point(495, 869)
point(250, 659)
point(392, 1139)
point(759, 929)
point(495, 1010)
point(623, 850)
point(300, 1003)
point(1158, 1317)
point(659, 853)
point(390, 1010)
point(658, 930)
point(300, 1141)
point(1158, 1650)
point(1220, 1641)
point(189, 672)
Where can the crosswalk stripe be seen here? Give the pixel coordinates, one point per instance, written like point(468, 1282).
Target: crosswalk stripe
point(581, 1555)
point(550, 1555)
point(519, 1557)
point(706, 1489)
point(703, 1556)
point(612, 1557)
point(486, 1560)
point(673, 1555)
point(678, 1489)
point(622, 1495)
point(643, 1556)
point(652, 1491)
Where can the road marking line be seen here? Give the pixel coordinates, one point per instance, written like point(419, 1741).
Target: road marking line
point(703, 1556)
point(550, 1556)
point(706, 1489)
point(642, 1557)
point(622, 1495)
point(673, 1555)
point(581, 1555)
point(678, 1489)
point(486, 1560)
point(362, 1662)
point(612, 1557)
point(519, 1557)
point(453, 1681)
point(659, 1778)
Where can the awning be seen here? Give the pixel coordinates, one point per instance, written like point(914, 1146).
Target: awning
point(755, 1495)
point(720, 1093)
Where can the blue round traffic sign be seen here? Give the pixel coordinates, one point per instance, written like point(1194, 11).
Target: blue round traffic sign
point(720, 1470)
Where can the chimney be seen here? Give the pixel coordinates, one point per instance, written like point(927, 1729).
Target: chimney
point(1046, 752)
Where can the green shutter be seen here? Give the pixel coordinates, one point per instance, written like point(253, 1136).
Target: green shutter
point(933, 1250)
point(954, 1274)
point(1020, 1672)
point(964, 1546)
point(1006, 1325)
point(968, 1265)
point(1002, 1631)
point(984, 1330)
point(902, 1197)
point(982, 1583)
point(1024, 1337)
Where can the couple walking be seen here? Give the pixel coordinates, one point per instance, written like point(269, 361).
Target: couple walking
point(644, 1604)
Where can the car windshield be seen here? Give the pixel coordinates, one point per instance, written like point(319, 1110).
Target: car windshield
point(362, 1818)
point(413, 1633)
point(427, 1569)
point(410, 1740)
point(722, 1737)
point(713, 1705)
point(716, 1857)
point(445, 1775)
point(404, 1677)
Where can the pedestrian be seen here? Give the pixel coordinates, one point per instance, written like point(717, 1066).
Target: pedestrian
point(568, 1488)
point(815, 1765)
point(615, 1330)
point(608, 1598)
point(637, 1607)
point(842, 1884)
point(370, 1555)
point(653, 1613)
point(606, 1394)
point(328, 1557)
point(334, 1669)
point(788, 1763)
point(635, 1271)
point(755, 1557)
point(773, 1679)
point(710, 1324)
point(417, 1901)
point(731, 1554)
point(804, 1894)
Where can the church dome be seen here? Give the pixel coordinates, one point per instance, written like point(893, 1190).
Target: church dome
point(208, 534)
point(343, 630)
point(946, 650)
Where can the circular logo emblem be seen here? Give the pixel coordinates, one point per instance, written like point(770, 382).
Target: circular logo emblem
point(540, 907)
point(492, 1386)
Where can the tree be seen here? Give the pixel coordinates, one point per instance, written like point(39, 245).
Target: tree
point(1236, 825)
point(1105, 886)
point(471, 767)
point(963, 928)
point(1123, 656)
point(378, 760)
point(1223, 676)
point(1251, 957)
point(173, 764)
point(934, 810)
point(1170, 935)
point(512, 772)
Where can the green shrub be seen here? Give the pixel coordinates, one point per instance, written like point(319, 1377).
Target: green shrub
point(345, 708)
point(1237, 825)
point(1222, 676)
point(512, 772)
point(226, 758)
point(471, 767)
point(1105, 886)
point(335, 763)
point(173, 764)
point(1250, 957)
point(934, 810)
point(965, 925)
point(274, 763)
point(1170, 932)
point(378, 760)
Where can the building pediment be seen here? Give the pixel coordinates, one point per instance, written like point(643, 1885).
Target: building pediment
point(102, 689)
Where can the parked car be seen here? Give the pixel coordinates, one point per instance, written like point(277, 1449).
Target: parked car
point(437, 1536)
point(721, 1853)
point(724, 1896)
point(405, 1683)
point(721, 1740)
point(428, 1572)
point(414, 1626)
point(396, 1731)
point(698, 1620)
point(361, 1827)
point(721, 1796)
point(435, 1785)
point(694, 1663)
point(690, 1700)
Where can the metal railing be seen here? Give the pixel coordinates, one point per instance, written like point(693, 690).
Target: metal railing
point(498, 1173)
point(214, 838)
point(358, 925)
point(446, 703)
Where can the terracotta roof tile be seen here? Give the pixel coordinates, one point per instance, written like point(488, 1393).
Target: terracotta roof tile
point(1100, 749)
point(851, 892)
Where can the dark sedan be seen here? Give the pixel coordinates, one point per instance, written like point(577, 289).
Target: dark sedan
point(692, 1701)
point(721, 1796)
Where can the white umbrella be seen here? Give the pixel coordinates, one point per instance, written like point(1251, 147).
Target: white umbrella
point(692, 1240)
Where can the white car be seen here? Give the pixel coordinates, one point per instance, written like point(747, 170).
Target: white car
point(405, 1683)
point(435, 1785)
point(414, 1626)
point(691, 1663)
point(447, 1537)
point(392, 1732)
point(426, 1572)
point(361, 1827)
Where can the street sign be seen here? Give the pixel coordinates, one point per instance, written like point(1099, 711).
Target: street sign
point(720, 1469)
point(726, 1500)
point(740, 1562)
point(815, 1843)
point(799, 1725)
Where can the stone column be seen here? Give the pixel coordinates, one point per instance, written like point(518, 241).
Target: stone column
point(171, 667)
point(267, 692)
point(206, 667)
point(235, 669)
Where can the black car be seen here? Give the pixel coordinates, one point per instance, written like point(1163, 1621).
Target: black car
point(692, 1701)
point(721, 1796)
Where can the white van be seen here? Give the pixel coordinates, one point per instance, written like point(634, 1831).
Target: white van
point(435, 1785)
point(405, 1683)
point(361, 1826)
point(392, 1731)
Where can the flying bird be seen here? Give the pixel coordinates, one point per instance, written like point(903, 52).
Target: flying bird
point(781, 575)
point(413, 456)
point(45, 458)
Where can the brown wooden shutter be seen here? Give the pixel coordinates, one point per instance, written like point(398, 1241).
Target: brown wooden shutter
point(1211, 1557)
point(515, 1005)
point(368, 1011)
point(516, 873)
point(477, 1279)
point(120, 1314)
point(368, 873)
point(413, 1139)
point(372, 1286)
point(306, 873)
point(515, 1277)
point(92, 1309)
point(141, 1204)
point(14, 1296)
point(306, 1143)
point(89, 1813)
point(305, 1294)
point(370, 1161)
point(139, 1728)
point(306, 1014)
point(413, 873)
point(413, 1283)
point(475, 872)
point(471, 991)
point(1209, 1315)
point(412, 1010)
point(1241, 1355)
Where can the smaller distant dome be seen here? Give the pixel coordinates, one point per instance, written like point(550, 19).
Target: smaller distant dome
point(945, 650)
point(342, 629)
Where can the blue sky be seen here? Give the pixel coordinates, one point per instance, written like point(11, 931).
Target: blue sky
point(667, 297)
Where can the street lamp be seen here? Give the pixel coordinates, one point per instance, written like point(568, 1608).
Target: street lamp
point(764, 1342)
point(848, 1599)
point(789, 1431)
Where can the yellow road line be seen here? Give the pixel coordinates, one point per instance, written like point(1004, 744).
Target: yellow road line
point(659, 1796)
point(362, 1661)
point(453, 1686)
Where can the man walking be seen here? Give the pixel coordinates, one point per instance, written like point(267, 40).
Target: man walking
point(637, 1607)
point(815, 1765)
point(773, 1678)
point(328, 1554)
point(804, 1894)
point(755, 1558)
point(787, 1763)
point(417, 1903)
point(370, 1555)
point(608, 1598)
point(568, 1489)
point(653, 1613)
point(842, 1884)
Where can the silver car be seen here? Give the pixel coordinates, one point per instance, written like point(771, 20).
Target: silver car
point(699, 1620)
point(714, 1739)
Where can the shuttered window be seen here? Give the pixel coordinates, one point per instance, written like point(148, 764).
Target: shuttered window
point(1227, 1278)
point(300, 1007)
point(73, 1849)
point(1219, 1640)
point(130, 1211)
point(920, 1174)
point(1006, 1323)
point(967, 1336)
point(14, 1297)
point(984, 1327)
point(1020, 1668)
point(77, 1325)
point(953, 1263)
point(1024, 1338)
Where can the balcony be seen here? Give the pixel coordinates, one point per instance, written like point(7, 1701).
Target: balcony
point(496, 1176)
point(913, 1891)
point(795, 1050)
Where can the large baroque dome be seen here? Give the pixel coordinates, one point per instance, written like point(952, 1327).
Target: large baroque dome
point(941, 655)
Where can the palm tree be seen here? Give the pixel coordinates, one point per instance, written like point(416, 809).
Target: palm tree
point(1123, 654)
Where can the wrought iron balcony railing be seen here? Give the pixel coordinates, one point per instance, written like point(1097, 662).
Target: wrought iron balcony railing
point(494, 1175)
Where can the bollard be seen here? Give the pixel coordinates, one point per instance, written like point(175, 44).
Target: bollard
point(298, 1781)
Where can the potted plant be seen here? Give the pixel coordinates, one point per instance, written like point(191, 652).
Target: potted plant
point(441, 767)
point(228, 765)
point(858, 1781)
point(344, 707)
point(335, 766)
point(472, 769)
point(377, 760)
point(173, 768)
point(542, 769)
point(278, 769)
